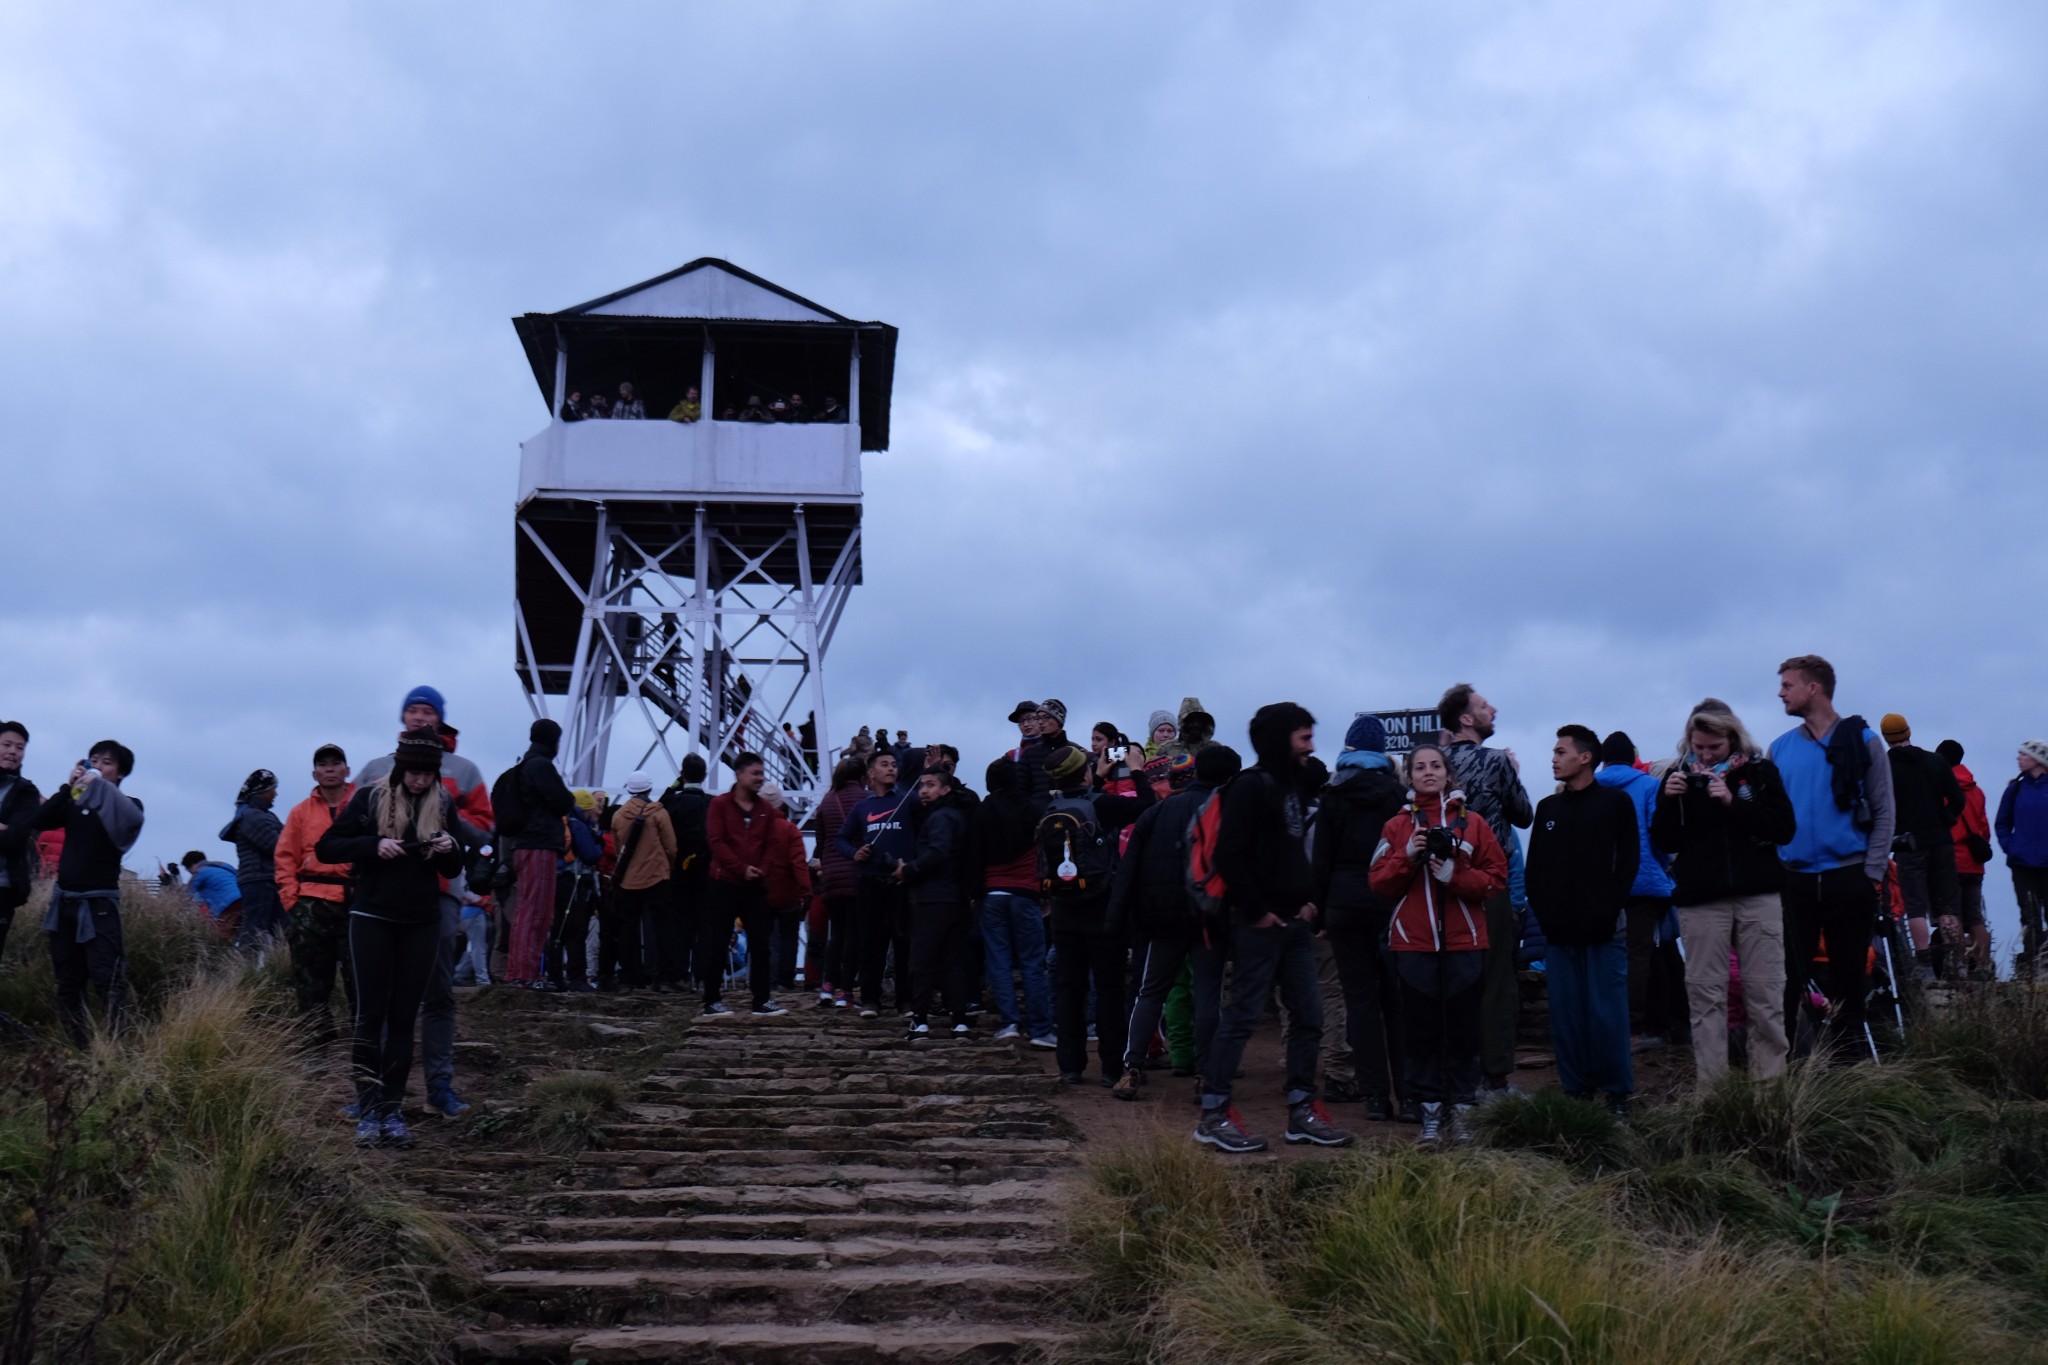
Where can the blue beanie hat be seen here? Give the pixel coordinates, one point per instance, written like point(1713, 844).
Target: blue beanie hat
point(1367, 733)
point(430, 696)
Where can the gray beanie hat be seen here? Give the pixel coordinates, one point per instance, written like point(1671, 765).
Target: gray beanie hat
point(1160, 718)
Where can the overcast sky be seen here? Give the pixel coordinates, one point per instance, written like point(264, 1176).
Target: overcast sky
point(1602, 354)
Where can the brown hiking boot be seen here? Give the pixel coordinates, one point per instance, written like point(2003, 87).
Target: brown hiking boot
point(1127, 1088)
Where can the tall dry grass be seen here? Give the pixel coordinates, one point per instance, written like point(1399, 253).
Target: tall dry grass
point(1895, 1213)
point(208, 1206)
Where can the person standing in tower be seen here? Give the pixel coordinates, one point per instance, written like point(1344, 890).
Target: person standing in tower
point(1492, 782)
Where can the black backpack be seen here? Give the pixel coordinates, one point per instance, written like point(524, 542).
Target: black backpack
point(1075, 858)
point(508, 804)
point(1849, 761)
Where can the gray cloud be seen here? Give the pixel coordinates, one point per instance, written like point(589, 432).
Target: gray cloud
point(1603, 355)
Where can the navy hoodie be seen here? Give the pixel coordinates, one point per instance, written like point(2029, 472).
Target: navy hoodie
point(885, 824)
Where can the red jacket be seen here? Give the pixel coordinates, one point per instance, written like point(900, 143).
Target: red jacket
point(787, 871)
point(1436, 916)
point(1973, 820)
point(739, 843)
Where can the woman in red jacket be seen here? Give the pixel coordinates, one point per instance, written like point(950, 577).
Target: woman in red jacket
point(1439, 864)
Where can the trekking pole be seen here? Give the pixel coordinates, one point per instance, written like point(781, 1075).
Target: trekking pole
point(1891, 970)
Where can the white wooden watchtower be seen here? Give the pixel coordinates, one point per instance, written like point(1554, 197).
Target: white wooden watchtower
point(692, 572)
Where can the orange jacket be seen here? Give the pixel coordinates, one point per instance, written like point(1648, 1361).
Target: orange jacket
point(299, 873)
point(1435, 916)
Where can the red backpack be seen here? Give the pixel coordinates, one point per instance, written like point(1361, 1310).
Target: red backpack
point(1205, 883)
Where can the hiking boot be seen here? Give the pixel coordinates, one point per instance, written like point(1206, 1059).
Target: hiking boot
point(1461, 1123)
point(1008, 1033)
point(1410, 1111)
point(369, 1132)
point(1342, 1092)
point(1432, 1120)
point(1617, 1108)
point(1071, 1078)
point(1045, 1042)
point(1225, 1131)
point(1133, 1081)
point(1379, 1109)
point(396, 1134)
point(352, 1111)
point(768, 1007)
point(1310, 1122)
point(870, 1012)
point(445, 1102)
point(715, 1009)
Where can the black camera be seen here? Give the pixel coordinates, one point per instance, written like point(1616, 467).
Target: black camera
point(1440, 842)
point(1698, 783)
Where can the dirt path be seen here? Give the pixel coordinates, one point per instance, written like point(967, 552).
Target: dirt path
point(804, 1188)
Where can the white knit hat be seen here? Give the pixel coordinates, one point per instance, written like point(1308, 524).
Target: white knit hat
point(2036, 749)
point(639, 784)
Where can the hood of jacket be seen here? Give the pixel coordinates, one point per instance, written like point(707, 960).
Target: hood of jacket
point(1197, 726)
point(1362, 761)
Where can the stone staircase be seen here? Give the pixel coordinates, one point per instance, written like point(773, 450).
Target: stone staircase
point(806, 1188)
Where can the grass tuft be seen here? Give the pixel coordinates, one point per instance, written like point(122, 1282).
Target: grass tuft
point(1581, 1134)
point(569, 1112)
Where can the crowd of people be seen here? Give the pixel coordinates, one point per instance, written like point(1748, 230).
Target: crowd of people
point(629, 406)
point(1129, 905)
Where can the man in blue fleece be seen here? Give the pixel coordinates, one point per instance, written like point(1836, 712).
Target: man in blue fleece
point(1840, 780)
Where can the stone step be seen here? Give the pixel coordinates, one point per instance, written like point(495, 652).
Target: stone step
point(1030, 1194)
point(785, 1223)
point(771, 1253)
point(825, 1343)
point(815, 1137)
point(860, 1293)
point(804, 1168)
point(898, 1083)
point(729, 1111)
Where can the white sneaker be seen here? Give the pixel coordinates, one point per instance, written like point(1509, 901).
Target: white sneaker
point(1461, 1123)
point(1045, 1043)
point(1008, 1033)
point(960, 1030)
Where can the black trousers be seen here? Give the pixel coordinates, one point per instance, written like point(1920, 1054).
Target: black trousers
point(1372, 1004)
point(1843, 905)
point(1081, 957)
point(839, 945)
point(318, 933)
point(1440, 994)
point(787, 919)
point(2030, 889)
point(102, 962)
point(567, 958)
point(618, 941)
point(686, 926)
point(880, 924)
point(391, 962)
point(746, 902)
point(936, 964)
point(638, 918)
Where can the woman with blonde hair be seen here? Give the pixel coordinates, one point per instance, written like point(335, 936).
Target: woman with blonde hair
point(398, 835)
point(1722, 811)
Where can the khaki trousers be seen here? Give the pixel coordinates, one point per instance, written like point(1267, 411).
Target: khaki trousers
point(1755, 927)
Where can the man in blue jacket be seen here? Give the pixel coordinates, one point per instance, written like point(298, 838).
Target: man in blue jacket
point(1649, 902)
point(1841, 790)
point(2022, 829)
